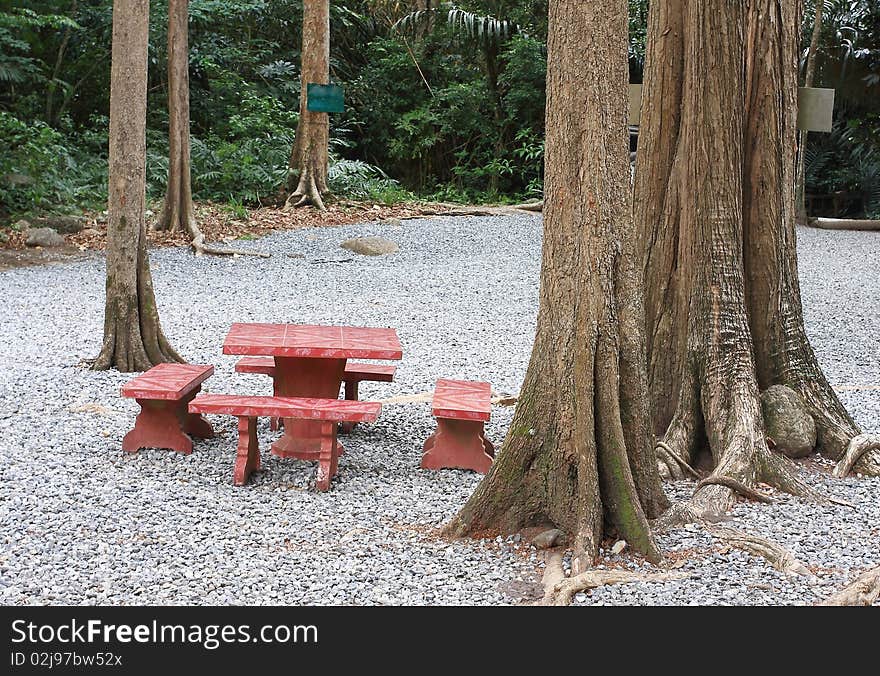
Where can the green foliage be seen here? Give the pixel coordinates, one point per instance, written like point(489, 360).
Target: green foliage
point(38, 170)
point(360, 180)
point(844, 161)
point(447, 103)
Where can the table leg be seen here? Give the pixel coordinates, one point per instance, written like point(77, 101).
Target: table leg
point(306, 377)
point(247, 459)
point(160, 424)
point(458, 444)
point(351, 394)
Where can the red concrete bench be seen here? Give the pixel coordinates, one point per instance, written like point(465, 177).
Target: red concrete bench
point(163, 393)
point(325, 449)
point(354, 373)
point(461, 407)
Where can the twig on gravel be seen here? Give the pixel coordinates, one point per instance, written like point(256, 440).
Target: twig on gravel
point(776, 555)
point(864, 591)
point(199, 246)
point(560, 590)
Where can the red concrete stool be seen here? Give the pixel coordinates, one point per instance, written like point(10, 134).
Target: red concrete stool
point(163, 393)
point(461, 407)
point(354, 373)
point(324, 448)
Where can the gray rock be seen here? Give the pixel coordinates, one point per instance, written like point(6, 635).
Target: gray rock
point(66, 225)
point(788, 422)
point(370, 246)
point(15, 179)
point(44, 237)
point(21, 225)
point(547, 538)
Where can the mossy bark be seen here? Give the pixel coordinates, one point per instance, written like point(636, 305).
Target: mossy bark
point(578, 454)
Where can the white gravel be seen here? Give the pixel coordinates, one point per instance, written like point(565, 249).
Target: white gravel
point(84, 523)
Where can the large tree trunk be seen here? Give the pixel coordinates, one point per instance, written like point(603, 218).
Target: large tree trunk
point(578, 454)
point(177, 211)
point(715, 204)
point(800, 193)
point(133, 338)
point(307, 180)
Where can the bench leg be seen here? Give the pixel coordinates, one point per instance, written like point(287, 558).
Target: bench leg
point(194, 424)
point(247, 459)
point(328, 458)
point(458, 444)
point(160, 424)
point(274, 423)
point(351, 394)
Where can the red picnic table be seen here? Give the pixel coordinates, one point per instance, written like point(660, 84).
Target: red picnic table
point(309, 362)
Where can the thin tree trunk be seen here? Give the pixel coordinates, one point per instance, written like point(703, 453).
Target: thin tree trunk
point(576, 454)
point(309, 157)
point(56, 70)
point(809, 76)
point(133, 338)
point(177, 211)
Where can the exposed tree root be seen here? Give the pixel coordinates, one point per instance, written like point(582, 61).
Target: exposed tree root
point(447, 209)
point(778, 557)
point(737, 486)
point(864, 591)
point(306, 193)
point(560, 590)
point(668, 459)
point(858, 446)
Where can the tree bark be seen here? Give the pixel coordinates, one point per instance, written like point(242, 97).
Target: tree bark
point(715, 205)
point(309, 157)
point(809, 75)
point(133, 338)
point(578, 453)
point(177, 211)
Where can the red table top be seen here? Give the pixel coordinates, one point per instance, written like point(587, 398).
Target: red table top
point(301, 340)
point(462, 399)
point(167, 381)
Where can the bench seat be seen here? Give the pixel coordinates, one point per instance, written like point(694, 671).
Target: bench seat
point(354, 373)
point(163, 393)
point(461, 407)
point(247, 409)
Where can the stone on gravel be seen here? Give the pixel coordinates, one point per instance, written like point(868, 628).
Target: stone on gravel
point(788, 422)
point(547, 538)
point(66, 225)
point(21, 225)
point(370, 246)
point(45, 237)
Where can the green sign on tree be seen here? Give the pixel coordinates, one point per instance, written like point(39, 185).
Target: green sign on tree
point(324, 98)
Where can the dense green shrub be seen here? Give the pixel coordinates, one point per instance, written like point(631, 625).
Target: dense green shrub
point(449, 105)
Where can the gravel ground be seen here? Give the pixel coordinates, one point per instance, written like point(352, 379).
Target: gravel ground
point(85, 523)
